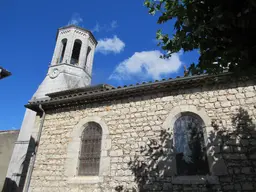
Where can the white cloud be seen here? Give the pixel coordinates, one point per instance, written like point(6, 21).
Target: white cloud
point(106, 27)
point(108, 45)
point(75, 19)
point(96, 28)
point(146, 64)
point(113, 25)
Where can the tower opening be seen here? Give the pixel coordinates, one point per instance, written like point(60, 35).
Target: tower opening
point(76, 51)
point(64, 44)
point(87, 57)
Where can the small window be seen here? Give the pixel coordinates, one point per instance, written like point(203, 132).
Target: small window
point(87, 57)
point(89, 159)
point(76, 52)
point(189, 144)
point(63, 48)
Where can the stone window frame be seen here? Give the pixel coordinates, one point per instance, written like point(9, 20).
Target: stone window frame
point(72, 161)
point(168, 125)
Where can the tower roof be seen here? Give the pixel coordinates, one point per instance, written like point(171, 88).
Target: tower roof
point(80, 28)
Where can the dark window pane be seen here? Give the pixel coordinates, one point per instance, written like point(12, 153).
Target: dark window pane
point(64, 44)
point(191, 156)
point(90, 150)
point(76, 52)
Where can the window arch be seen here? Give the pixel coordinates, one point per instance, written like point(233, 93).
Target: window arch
point(76, 51)
point(191, 158)
point(63, 48)
point(74, 150)
point(90, 153)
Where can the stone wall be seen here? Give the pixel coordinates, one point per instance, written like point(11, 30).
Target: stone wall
point(7, 141)
point(132, 123)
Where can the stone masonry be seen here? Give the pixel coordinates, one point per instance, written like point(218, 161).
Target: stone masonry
point(133, 121)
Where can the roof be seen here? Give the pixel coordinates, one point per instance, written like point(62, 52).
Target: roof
point(9, 131)
point(4, 73)
point(81, 89)
point(107, 93)
point(83, 29)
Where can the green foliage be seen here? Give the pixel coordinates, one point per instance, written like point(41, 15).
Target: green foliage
point(224, 32)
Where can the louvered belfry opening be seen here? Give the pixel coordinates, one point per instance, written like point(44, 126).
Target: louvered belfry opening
point(89, 159)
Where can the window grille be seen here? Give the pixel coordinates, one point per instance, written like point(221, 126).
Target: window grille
point(89, 159)
point(189, 144)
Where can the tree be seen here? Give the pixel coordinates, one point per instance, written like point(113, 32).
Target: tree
point(222, 30)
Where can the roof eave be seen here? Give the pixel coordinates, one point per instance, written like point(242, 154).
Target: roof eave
point(117, 93)
point(75, 26)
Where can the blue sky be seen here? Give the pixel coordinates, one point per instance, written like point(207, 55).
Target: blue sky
point(127, 51)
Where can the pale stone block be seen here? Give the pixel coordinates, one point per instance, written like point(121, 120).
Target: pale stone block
point(234, 108)
point(209, 105)
point(249, 94)
point(249, 88)
point(132, 110)
point(116, 153)
point(156, 128)
point(240, 96)
point(137, 114)
point(225, 104)
point(231, 97)
point(232, 91)
point(140, 109)
point(212, 99)
point(141, 134)
point(222, 92)
point(114, 159)
point(203, 100)
point(147, 128)
point(122, 141)
point(222, 98)
point(149, 133)
point(193, 96)
point(250, 101)
point(126, 159)
point(217, 105)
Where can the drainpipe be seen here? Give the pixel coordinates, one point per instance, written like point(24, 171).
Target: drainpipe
point(35, 152)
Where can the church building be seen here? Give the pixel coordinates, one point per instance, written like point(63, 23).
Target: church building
point(193, 133)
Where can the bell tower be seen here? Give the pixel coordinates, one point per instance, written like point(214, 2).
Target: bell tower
point(71, 65)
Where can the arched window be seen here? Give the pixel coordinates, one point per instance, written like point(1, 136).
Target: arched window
point(76, 51)
point(89, 158)
point(63, 48)
point(189, 145)
point(87, 57)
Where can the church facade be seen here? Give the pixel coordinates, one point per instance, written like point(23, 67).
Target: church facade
point(185, 134)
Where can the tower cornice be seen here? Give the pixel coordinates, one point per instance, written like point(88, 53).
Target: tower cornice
point(80, 28)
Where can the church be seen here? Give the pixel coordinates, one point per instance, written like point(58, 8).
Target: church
point(192, 133)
